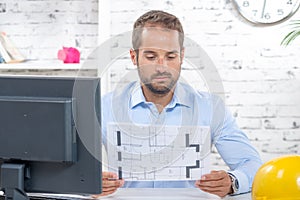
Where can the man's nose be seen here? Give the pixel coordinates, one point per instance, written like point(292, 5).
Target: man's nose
point(162, 60)
point(161, 65)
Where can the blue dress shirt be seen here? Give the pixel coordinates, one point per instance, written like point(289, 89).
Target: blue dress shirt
point(189, 108)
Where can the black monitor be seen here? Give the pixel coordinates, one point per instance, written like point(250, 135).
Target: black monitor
point(50, 135)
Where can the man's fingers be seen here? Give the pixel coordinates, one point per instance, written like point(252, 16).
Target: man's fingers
point(109, 189)
point(211, 187)
point(106, 175)
point(214, 175)
point(216, 182)
point(110, 184)
point(107, 183)
point(211, 183)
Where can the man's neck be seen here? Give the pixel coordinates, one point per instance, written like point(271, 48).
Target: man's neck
point(160, 100)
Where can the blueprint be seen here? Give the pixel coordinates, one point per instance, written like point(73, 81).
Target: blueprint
point(141, 153)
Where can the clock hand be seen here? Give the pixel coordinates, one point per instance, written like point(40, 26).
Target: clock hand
point(263, 9)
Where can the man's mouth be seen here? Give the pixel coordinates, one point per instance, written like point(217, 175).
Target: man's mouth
point(161, 78)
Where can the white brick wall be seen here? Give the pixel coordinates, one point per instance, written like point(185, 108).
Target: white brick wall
point(261, 79)
point(40, 28)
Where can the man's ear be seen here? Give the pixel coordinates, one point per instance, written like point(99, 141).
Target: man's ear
point(133, 56)
point(181, 55)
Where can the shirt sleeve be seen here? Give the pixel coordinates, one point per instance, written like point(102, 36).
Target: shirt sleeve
point(234, 147)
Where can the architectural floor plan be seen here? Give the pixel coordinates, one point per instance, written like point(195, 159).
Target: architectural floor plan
point(139, 152)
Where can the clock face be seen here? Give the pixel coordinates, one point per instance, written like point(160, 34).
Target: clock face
point(267, 11)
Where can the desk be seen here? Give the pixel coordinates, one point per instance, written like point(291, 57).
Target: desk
point(168, 194)
point(145, 194)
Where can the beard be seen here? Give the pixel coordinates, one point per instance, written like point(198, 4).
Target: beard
point(161, 87)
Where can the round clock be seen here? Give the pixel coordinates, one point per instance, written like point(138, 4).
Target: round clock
point(266, 11)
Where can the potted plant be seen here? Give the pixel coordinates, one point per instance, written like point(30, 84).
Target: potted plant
point(293, 34)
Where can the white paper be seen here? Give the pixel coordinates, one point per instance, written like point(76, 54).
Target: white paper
point(141, 153)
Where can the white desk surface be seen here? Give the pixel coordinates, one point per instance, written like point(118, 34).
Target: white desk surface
point(168, 194)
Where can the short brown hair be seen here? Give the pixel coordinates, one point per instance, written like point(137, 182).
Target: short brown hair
point(166, 20)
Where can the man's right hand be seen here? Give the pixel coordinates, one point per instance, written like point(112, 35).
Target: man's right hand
point(110, 184)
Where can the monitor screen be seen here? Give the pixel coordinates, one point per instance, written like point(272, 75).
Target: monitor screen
point(50, 135)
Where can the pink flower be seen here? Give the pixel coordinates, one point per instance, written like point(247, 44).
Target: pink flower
point(69, 55)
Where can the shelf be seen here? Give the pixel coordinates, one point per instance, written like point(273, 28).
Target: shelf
point(44, 65)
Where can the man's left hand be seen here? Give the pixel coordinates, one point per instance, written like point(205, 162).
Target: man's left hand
point(216, 182)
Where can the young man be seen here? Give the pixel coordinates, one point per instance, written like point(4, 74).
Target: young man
point(159, 97)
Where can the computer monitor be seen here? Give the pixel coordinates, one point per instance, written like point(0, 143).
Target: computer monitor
point(50, 135)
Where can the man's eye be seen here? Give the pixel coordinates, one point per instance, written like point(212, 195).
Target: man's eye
point(150, 57)
point(171, 57)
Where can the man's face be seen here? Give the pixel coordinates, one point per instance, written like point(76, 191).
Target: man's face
point(159, 59)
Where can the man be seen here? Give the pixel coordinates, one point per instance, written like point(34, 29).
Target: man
point(159, 97)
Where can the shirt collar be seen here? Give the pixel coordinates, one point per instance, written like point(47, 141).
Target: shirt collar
point(137, 96)
point(181, 96)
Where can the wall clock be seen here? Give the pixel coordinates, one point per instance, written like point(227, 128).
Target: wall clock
point(266, 11)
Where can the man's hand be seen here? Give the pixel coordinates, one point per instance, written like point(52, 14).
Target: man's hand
point(110, 184)
point(217, 182)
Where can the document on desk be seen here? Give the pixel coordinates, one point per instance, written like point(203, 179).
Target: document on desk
point(143, 153)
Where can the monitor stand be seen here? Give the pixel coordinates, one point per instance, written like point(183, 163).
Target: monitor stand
point(12, 181)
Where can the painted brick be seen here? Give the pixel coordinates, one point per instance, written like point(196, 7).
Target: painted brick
point(39, 28)
point(289, 111)
point(249, 123)
point(254, 111)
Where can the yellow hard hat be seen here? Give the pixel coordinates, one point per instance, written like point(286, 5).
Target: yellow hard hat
point(278, 179)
